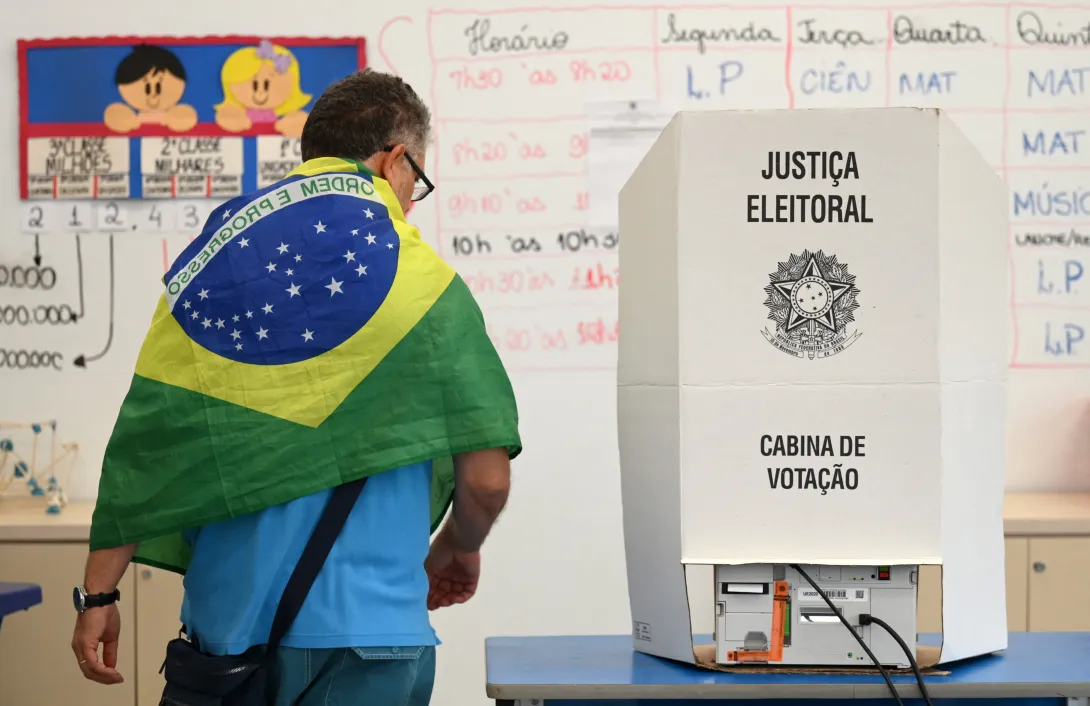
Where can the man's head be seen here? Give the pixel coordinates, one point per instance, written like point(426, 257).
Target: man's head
point(360, 116)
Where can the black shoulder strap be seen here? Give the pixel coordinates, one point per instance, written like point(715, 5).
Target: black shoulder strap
point(314, 555)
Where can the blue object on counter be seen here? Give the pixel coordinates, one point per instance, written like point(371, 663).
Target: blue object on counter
point(18, 596)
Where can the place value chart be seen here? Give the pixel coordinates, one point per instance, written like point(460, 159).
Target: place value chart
point(168, 117)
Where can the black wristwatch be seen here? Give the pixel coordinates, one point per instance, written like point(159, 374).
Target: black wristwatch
point(84, 600)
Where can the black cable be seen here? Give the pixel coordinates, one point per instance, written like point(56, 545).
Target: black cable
point(858, 638)
point(865, 619)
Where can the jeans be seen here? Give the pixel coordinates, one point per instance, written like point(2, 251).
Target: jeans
point(356, 676)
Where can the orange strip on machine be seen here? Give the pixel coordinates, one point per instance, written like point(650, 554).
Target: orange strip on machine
point(775, 654)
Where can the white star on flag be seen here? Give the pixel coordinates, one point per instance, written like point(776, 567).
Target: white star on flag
point(367, 212)
point(308, 335)
point(226, 214)
point(195, 314)
point(262, 333)
point(249, 314)
point(355, 231)
point(361, 270)
point(235, 334)
point(298, 258)
point(243, 242)
point(185, 305)
point(289, 272)
point(206, 323)
point(370, 239)
point(319, 227)
point(238, 346)
point(219, 323)
point(293, 290)
point(282, 249)
point(267, 308)
point(389, 246)
point(334, 287)
point(270, 267)
point(235, 318)
point(348, 256)
point(203, 294)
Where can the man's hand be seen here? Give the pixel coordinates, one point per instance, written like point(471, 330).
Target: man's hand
point(94, 627)
point(452, 574)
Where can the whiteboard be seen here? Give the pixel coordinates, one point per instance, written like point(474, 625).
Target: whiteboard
point(509, 86)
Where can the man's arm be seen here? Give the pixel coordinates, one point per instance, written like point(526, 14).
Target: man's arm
point(482, 481)
point(105, 568)
point(101, 626)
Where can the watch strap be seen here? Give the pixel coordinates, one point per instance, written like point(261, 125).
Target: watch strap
point(98, 600)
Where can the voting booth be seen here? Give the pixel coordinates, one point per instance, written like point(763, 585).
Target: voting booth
point(812, 362)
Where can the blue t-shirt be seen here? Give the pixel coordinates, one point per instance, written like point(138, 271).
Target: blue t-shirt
point(372, 590)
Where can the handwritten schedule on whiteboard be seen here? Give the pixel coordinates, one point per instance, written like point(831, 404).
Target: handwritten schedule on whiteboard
point(509, 92)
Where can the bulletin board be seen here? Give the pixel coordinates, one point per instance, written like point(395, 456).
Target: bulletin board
point(168, 117)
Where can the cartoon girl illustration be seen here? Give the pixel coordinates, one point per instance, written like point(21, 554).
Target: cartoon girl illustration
point(261, 87)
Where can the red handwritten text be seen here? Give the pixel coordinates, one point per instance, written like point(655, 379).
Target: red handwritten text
point(467, 79)
point(597, 277)
point(577, 146)
point(509, 281)
point(524, 339)
point(469, 150)
point(597, 332)
point(465, 203)
point(583, 71)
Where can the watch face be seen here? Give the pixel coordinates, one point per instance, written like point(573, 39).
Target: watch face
point(77, 599)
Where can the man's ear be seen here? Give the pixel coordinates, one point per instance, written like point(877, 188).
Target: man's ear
point(389, 159)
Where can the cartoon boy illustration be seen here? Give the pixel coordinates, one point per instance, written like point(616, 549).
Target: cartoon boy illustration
point(151, 81)
point(261, 87)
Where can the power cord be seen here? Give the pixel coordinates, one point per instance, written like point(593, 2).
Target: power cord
point(865, 619)
point(836, 611)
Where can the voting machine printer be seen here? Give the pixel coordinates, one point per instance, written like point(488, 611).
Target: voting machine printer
point(811, 388)
point(768, 613)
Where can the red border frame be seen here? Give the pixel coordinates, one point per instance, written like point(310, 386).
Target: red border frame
point(26, 130)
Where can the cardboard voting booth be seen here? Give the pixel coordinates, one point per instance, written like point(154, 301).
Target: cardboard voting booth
point(812, 359)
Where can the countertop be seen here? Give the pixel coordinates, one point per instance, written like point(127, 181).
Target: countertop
point(23, 519)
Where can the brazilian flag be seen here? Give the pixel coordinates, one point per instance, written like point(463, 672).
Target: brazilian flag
point(308, 337)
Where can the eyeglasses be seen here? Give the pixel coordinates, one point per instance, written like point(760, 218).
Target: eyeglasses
point(422, 187)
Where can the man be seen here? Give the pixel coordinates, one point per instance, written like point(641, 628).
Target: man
point(308, 338)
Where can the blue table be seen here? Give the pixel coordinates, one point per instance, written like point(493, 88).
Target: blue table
point(18, 596)
point(1037, 669)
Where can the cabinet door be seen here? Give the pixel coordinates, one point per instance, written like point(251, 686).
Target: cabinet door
point(929, 603)
point(1057, 584)
point(158, 606)
point(37, 666)
point(1017, 584)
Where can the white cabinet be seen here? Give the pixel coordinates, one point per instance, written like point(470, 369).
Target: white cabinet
point(1047, 564)
point(1058, 569)
point(37, 665)
point(158, 605)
